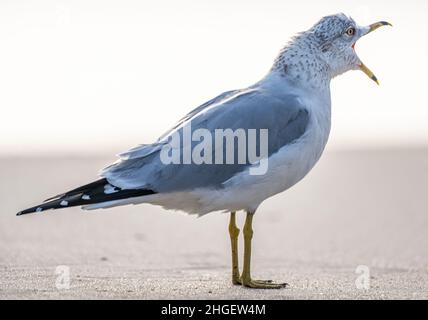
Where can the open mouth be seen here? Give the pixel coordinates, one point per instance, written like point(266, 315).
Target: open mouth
point(366, 31)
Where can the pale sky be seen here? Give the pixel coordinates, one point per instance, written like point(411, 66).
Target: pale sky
point(97, 76)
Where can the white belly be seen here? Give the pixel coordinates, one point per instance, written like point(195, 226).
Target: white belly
point(286, 168)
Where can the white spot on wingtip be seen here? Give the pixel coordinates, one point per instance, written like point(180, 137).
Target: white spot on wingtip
point(86, 197)
point(39, 209)
point(64, 203)
point(108, 189)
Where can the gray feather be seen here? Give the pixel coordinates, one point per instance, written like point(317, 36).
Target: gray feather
point(284, 116)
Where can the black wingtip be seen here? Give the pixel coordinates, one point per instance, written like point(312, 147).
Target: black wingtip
point(94, 192)
point(27, 211)
point(36, 209)
point(21, 213)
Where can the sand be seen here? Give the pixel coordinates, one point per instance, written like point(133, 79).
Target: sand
point(357, 208)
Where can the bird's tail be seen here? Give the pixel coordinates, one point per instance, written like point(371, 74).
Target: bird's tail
point(96, 192)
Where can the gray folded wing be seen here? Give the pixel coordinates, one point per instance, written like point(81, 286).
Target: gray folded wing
point(284, 116)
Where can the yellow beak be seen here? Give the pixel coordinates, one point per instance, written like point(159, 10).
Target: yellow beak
point(372, 28)
point(369, 73)
point(377, 25)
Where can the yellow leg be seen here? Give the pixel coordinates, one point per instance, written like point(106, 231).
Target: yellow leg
point(234, 233)
point(246, 272)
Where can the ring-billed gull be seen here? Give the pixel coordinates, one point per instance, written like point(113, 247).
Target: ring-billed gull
point(287, 114)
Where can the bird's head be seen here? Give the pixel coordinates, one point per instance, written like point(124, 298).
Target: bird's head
point(336, 36)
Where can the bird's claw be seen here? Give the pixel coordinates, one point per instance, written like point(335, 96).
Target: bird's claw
point(259, 284)
point(263, 284)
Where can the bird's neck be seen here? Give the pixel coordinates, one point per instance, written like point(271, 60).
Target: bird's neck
point(300, 61)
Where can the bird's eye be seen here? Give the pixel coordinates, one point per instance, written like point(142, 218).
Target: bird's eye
point(350, 32)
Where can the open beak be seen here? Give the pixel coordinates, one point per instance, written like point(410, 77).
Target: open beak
point(368, 30)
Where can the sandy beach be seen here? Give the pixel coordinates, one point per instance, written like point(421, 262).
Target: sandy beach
point(356, 208)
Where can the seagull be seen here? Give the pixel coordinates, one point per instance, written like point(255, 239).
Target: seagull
point(289, 110)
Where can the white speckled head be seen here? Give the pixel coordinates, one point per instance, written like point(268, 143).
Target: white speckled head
point(336, 35)
point(326, 50)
